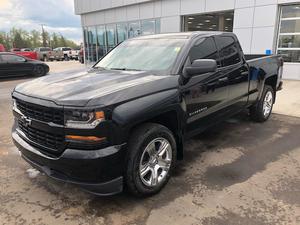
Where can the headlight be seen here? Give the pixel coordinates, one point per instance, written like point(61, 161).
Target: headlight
point(83, 119)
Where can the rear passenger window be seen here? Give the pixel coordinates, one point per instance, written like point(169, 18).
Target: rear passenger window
point(229, 51)
point(204, 49)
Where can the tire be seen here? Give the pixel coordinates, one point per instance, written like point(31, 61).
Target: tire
point(39, 71)
point(45, 58)
point(262, 110)
point(66, 58)
point(139, 160)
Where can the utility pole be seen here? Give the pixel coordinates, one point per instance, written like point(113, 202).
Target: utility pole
point(43, 36)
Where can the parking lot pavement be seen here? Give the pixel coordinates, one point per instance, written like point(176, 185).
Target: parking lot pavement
point(56, 67)
point(288, 100)
point(238, 172)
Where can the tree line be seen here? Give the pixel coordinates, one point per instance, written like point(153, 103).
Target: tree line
point(19, 38)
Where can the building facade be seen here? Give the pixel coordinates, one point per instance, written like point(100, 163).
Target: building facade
point(262, 26)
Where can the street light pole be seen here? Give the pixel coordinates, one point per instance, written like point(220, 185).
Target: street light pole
point(43, 36)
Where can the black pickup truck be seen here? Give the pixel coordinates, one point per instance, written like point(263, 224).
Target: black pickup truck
point(124, 122)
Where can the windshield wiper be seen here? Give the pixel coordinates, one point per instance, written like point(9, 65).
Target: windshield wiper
point(98, 68)
point(125, 69)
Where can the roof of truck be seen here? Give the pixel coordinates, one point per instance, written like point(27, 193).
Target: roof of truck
point(182, 35)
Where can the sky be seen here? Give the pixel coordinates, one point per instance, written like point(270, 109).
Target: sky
point(56, 16)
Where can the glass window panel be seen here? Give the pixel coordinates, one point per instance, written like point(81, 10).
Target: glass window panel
point(204, 49)
point(134, 29)
point(148, 27)
point(290, 55)
point(111, 36)
point(228, 49)
point(101, 42)
point(222, 21)
point(157, 26)
point(92, 39)
point(12, 58)
point(121, 32)
point(289, 41)
point(290, 26)
point(86, 47)
point(290, 11)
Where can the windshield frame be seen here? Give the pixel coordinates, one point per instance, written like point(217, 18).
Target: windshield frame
point(168, 71)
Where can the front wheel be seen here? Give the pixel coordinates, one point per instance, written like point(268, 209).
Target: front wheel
point(151, 159)
point(262, 110)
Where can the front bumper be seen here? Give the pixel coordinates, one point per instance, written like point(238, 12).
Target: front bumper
point(98, 171)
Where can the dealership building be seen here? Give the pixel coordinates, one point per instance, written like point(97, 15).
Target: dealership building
point(262, 26)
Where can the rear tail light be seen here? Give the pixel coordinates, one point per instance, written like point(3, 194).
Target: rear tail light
point(281, 61)
point(70, 52)
point(50, 53)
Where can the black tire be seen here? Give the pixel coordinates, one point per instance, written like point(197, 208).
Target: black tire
point(140, 139)
point(257, 112)
point(39, 71)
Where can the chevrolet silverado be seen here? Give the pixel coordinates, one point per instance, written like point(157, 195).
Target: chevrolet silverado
point(123, 124)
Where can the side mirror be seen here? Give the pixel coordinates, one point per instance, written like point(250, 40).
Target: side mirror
point(201, 66)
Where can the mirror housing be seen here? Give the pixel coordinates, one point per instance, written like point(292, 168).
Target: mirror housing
point(201, 66)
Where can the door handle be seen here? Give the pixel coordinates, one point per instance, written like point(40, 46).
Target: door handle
point(225, 79)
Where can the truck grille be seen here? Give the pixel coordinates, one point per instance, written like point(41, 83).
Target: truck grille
point(41, 113)
point(53, 142)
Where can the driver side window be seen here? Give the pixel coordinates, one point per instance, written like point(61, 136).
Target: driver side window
point(12, 58)
point(205, 48)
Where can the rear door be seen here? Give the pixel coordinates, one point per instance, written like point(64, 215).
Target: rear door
point(205, 95)
point(235, 69)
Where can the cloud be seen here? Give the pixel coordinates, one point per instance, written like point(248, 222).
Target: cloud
point(56, 16)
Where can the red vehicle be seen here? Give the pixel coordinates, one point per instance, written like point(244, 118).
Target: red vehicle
point(27, 54)
point(2, 49)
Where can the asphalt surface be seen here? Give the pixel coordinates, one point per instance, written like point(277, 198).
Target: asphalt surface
point(238, 172)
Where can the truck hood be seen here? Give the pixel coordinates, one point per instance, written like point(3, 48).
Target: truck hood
point(93, 88)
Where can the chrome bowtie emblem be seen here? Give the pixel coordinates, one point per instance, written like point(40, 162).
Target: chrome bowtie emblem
point(26, 121)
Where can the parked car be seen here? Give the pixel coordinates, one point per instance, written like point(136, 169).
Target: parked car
point(125, 121)
point(2, 48)
point(15, 50)
point(47, 54)
point(69, 53)
point(26, 50)
point(15, 65)
point(23, 52)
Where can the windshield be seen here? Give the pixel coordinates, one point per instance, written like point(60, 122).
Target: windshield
point(145, 55)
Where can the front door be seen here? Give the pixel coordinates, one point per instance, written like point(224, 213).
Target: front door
point(205, 95)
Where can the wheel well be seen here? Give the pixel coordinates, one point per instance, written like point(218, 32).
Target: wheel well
point(272, 81)
point(169, 120)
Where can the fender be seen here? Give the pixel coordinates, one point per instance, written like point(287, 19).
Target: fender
point(133, 113)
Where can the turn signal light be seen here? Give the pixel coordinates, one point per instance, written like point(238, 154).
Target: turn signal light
point(85, 138)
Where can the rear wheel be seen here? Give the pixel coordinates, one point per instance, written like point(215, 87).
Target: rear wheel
point(151, 159)
point(262, 110)
point(66, 58)
point(39, 70)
